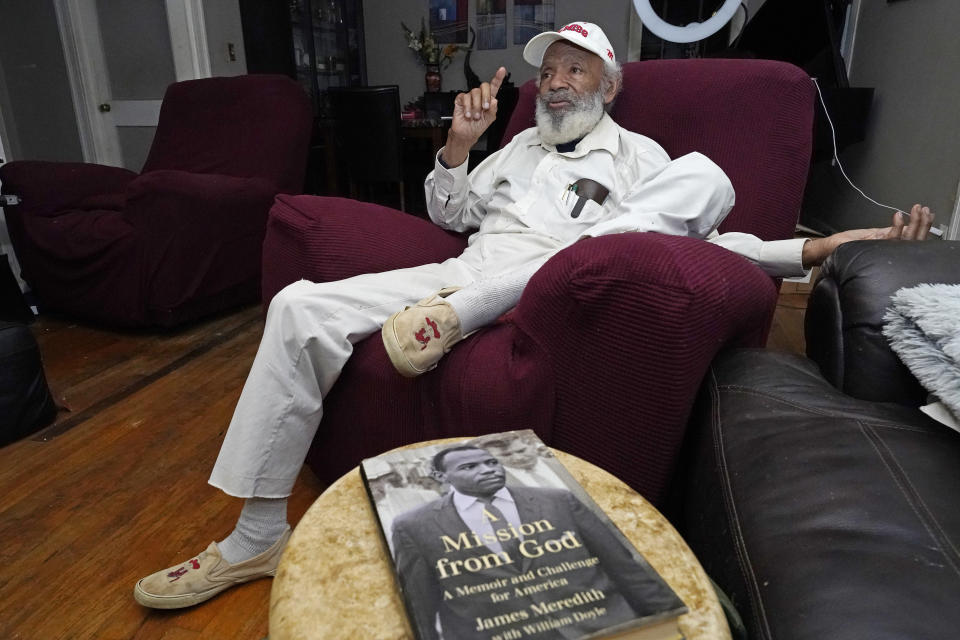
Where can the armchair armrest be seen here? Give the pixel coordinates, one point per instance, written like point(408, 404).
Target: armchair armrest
point(325, 239)
point(48, 187)
point(631, 322)
point(169, 200)
point(844, 319)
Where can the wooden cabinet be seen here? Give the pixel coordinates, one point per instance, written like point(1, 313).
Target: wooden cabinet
point(318, 42)
point(327, 45)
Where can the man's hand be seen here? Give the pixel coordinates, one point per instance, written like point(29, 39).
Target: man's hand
point(921, 219)
point(473, 112)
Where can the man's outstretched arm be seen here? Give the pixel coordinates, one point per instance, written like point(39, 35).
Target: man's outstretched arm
point(793, 257)
point(921, 219)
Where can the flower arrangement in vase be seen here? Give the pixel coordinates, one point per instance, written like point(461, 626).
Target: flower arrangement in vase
point(430, 54)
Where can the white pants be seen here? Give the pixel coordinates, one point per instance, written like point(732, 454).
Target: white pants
point(309, 336)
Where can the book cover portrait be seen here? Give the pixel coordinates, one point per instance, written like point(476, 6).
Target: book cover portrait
point(492, 538)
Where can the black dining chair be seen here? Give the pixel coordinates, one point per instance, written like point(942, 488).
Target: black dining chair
point(367, 135)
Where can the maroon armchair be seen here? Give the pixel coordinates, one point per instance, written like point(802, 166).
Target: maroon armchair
point(606, 349)
point(182, 238)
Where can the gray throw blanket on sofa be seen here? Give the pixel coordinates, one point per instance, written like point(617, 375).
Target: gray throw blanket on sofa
point(923, 328)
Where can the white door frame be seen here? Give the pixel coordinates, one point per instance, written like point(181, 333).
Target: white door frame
point(3, 135)
point(953, 231)
point(6, 247)
point(89, 83)
point(188, 37)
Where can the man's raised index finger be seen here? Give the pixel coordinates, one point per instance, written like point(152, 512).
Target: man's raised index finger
point(497, 81)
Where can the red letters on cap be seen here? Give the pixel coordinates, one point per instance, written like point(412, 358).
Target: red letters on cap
point(575, 27)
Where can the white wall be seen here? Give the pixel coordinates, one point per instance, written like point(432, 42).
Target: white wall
point(389, 61)
point(909, 51)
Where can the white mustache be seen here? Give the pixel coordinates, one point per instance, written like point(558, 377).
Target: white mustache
point(560, 94)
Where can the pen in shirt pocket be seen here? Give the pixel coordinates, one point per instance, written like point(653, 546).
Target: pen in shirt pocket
point(585, 189)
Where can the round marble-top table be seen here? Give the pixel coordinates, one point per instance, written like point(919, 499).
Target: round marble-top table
point(335, 579)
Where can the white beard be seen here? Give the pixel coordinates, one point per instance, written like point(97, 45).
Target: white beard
point(579, 119)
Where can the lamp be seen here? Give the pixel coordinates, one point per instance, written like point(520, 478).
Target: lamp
point(692, 32)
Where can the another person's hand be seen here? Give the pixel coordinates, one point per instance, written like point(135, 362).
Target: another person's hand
point(473, 112)
point(921, 219)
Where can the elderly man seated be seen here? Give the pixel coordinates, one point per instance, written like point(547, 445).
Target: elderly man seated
point(575, 174)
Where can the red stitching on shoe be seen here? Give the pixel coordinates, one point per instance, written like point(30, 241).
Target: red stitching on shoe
point(176, 575)
point(433, 325)
point(422, 337)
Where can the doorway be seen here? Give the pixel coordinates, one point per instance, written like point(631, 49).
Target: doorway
point(37, 119)
point(121, 60)
point(82, 80)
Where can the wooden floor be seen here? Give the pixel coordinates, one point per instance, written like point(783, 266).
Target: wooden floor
point(116, 487)
point(786, 332)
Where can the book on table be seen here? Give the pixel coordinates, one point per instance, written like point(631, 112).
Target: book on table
point(492, 538)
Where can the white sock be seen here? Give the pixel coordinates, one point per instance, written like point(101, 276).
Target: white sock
point(482, 302)
point(262, 522)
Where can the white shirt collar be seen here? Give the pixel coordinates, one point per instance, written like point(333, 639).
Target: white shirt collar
point(463, 501)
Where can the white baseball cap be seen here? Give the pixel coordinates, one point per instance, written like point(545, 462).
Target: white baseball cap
point(583, 34)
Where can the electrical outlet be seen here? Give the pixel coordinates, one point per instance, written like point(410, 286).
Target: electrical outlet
point(9, 200)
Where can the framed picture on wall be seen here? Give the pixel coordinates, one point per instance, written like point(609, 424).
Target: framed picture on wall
point(448, 21)
point(491, 24)
point(531, 17)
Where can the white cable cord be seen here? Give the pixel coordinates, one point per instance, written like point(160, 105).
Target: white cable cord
point(937, 231)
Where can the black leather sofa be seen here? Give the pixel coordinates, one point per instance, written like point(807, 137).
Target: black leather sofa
point(817, 496)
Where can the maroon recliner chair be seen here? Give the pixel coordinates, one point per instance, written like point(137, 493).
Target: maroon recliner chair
point(181, 239)
point(607, 347)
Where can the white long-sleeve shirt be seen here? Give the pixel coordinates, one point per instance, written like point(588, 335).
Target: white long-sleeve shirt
point(518, 200)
